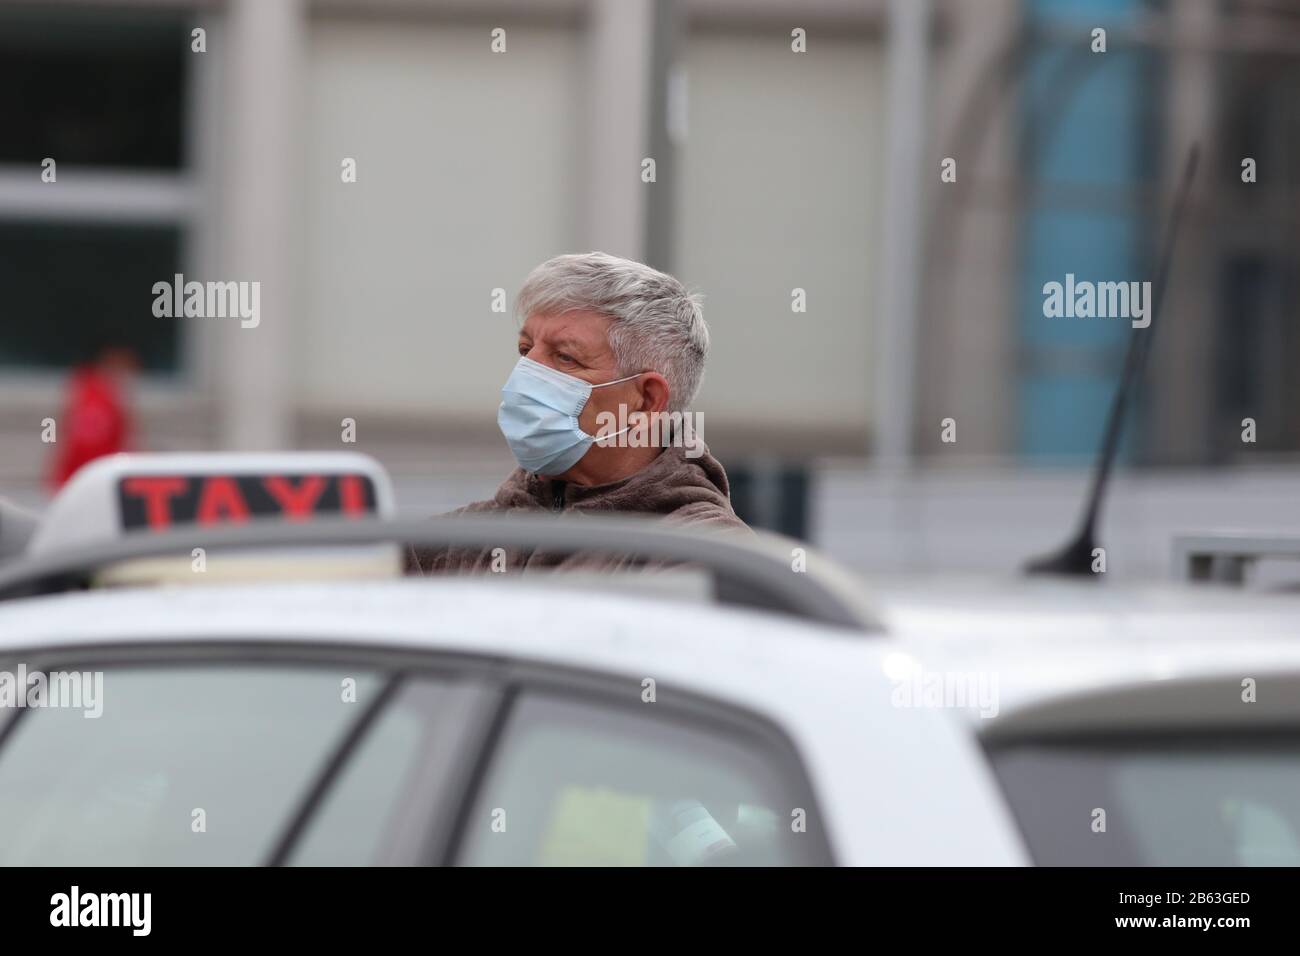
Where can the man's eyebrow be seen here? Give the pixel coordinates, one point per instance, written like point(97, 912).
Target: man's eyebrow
point(571, 345)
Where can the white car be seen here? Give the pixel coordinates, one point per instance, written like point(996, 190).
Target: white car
point(734, 710)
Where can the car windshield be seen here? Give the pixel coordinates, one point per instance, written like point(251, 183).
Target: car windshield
point(1209, 801)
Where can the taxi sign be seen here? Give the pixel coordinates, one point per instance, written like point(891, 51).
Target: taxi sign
point(143, 493)
point(158, 502)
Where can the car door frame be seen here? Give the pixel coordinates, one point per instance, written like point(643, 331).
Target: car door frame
point(688, 708)
point(478, 703)
point(430, 813)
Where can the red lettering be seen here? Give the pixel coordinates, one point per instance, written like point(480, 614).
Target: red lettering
point(157, 493)
point(296, 503)
point(352, 498)
point(220, 496)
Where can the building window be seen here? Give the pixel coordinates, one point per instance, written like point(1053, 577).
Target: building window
point(103, 93)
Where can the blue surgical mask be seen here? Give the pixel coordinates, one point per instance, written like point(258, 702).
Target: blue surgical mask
point(539, 417)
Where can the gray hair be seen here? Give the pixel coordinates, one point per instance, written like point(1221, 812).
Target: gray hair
point(657, 325)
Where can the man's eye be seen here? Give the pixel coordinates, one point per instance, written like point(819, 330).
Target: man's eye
point(523, 350)
point(565, 358)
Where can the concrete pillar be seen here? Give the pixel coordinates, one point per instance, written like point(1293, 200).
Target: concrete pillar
point(262, 168)
point(1181, 423)
point(900, 225)
point(619, 41)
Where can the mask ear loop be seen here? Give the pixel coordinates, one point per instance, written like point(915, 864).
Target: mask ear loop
point(618, 380)
point(597, 440)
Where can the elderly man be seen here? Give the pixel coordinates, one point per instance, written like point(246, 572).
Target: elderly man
point(609, 350)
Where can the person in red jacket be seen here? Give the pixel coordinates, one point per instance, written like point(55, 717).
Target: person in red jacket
point(96, 419)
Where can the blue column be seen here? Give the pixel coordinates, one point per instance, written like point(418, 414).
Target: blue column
point(1094, 137)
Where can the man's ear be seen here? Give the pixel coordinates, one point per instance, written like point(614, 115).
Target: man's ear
point(654, 393)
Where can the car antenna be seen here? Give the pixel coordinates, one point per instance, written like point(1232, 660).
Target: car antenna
point(1076, 557)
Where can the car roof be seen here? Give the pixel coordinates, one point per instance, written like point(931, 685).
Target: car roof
point(1042, 637)
point(1064, 655)
point(543, 615)
point(1062, 640)
point(825, 687)
point(748, 568)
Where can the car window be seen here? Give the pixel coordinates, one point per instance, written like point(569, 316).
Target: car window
point(1163, 801)
point(414, 744)
point(595, 784)
point(185, 765)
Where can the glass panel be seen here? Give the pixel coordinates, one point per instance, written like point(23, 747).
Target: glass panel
point(590, 785)
point(69, 291)
point(240, 744)
point(1171, 802)
point(350, 826)
point(103, 88)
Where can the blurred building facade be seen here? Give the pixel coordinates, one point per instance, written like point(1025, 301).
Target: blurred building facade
point(1075, 155)
point(472, 167)
point(776, 171)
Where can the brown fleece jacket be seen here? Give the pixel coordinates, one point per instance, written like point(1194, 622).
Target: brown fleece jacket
point(682, 490)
